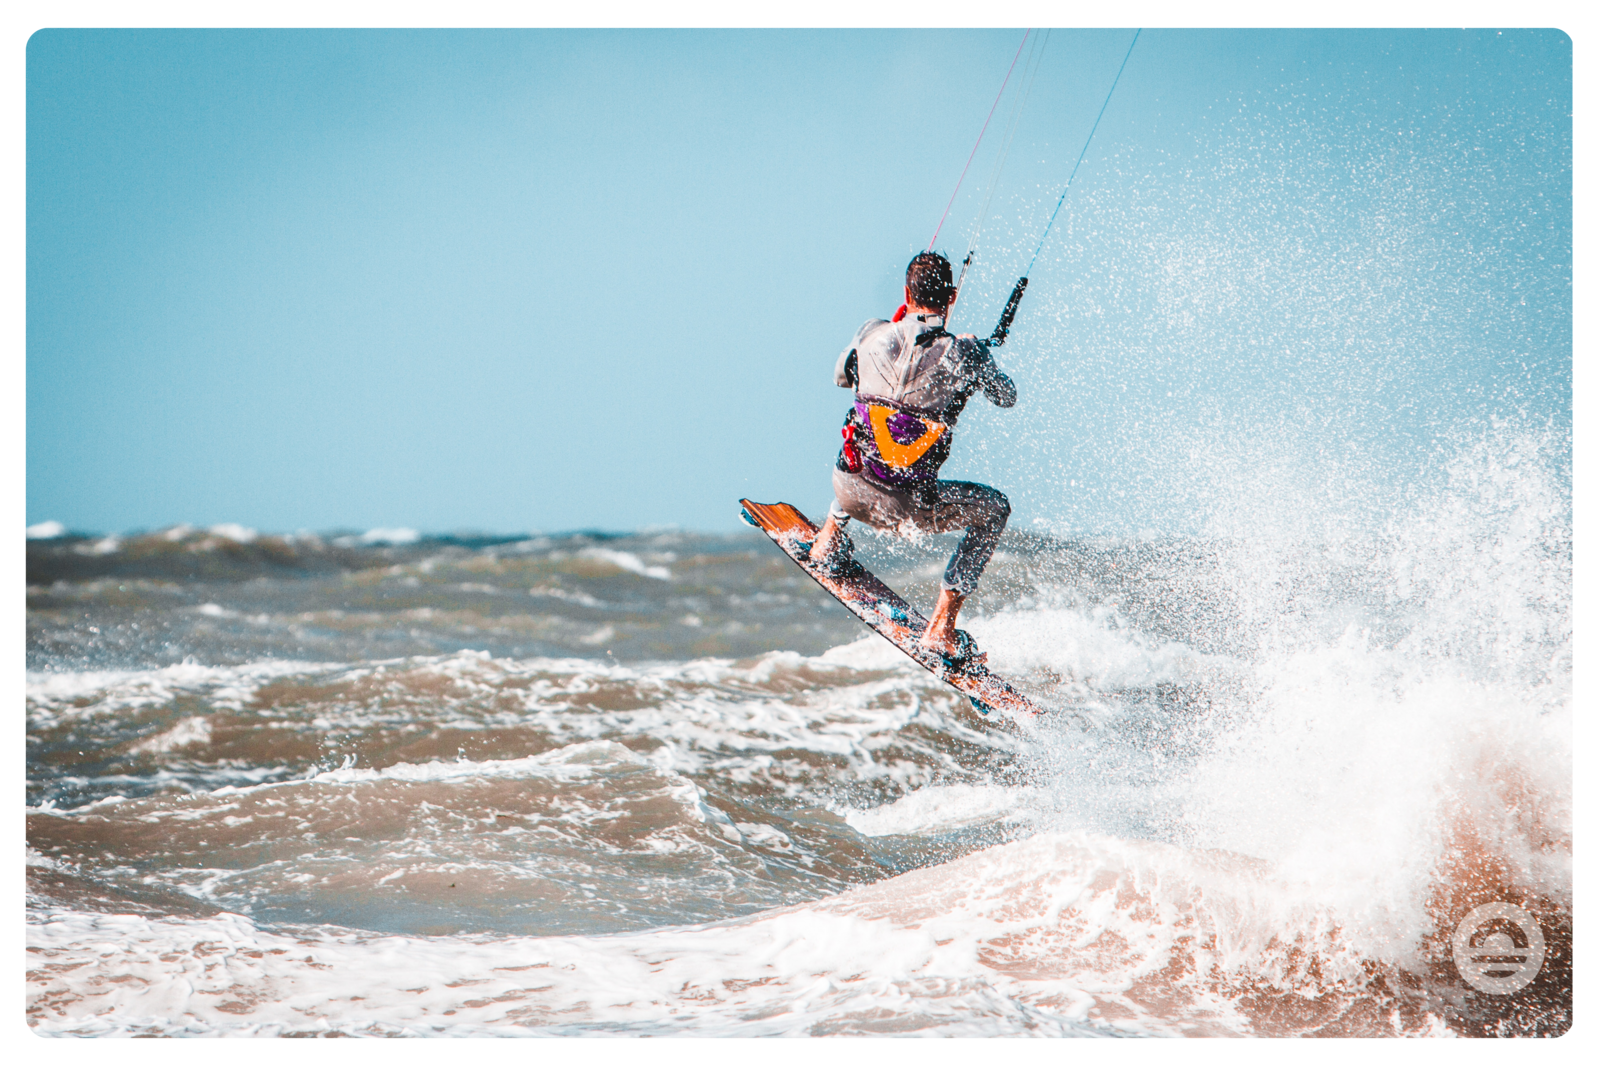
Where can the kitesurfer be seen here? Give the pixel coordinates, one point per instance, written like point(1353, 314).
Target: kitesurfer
point(911, 379)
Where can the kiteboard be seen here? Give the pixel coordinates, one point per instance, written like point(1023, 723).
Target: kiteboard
point(884, 611)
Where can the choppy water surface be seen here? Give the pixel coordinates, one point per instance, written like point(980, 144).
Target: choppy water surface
point(661, 784)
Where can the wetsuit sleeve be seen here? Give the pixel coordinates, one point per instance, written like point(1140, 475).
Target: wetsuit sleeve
point(845, 372)
point(999, 388)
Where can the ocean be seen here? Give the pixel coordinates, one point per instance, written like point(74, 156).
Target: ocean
point(658, 783)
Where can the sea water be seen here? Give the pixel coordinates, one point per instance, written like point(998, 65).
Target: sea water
point(661, 784)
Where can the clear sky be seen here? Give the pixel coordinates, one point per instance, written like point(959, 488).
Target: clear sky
point(513, 281)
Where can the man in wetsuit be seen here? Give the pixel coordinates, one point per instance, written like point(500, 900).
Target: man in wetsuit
point(911, 380)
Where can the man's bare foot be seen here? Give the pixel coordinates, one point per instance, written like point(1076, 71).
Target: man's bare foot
point(831, 550)
point(827, 539)
point(940, 635)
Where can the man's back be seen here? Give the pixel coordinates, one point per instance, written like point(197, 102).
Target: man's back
point(917, 365)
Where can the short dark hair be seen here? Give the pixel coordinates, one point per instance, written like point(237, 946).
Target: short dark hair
point(928, 277)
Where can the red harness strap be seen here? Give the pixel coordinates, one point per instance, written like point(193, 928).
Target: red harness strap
point(852, 457)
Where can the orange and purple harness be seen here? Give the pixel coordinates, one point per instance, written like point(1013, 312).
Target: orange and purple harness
point(897, 446)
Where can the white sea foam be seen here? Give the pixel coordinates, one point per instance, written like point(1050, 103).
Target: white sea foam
point(583, 599)
point(575, 760)
point(1373, 770)
point(1360, 772)
point(1091, 646)
point(1061, 934)
point(186, 733)
point(397, 535)
point(46, 530)
point(57, 696)
point(234, 532)
point(869, 652)
point(626, 561)
point(940, 808)
point(1423, 746)
point(108, 545)
point(699, 713)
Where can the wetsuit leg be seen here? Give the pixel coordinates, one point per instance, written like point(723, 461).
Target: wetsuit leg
point(856, 497)
point(982, 512)
point(947, 507)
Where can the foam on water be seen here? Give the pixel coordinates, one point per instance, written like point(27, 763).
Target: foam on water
point(1276, 772)
point(46, 530)
point(1061, 934)
point(936, 808)
point(1407, 774)
point(627, 561)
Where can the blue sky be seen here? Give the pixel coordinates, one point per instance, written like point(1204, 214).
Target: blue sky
point(553, 280)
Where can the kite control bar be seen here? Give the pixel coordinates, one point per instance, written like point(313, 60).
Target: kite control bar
point(998, 337)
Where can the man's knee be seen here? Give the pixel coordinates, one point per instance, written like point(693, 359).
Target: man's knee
point(1002, 508)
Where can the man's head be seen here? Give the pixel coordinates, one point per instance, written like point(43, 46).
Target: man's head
point(928, 283)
